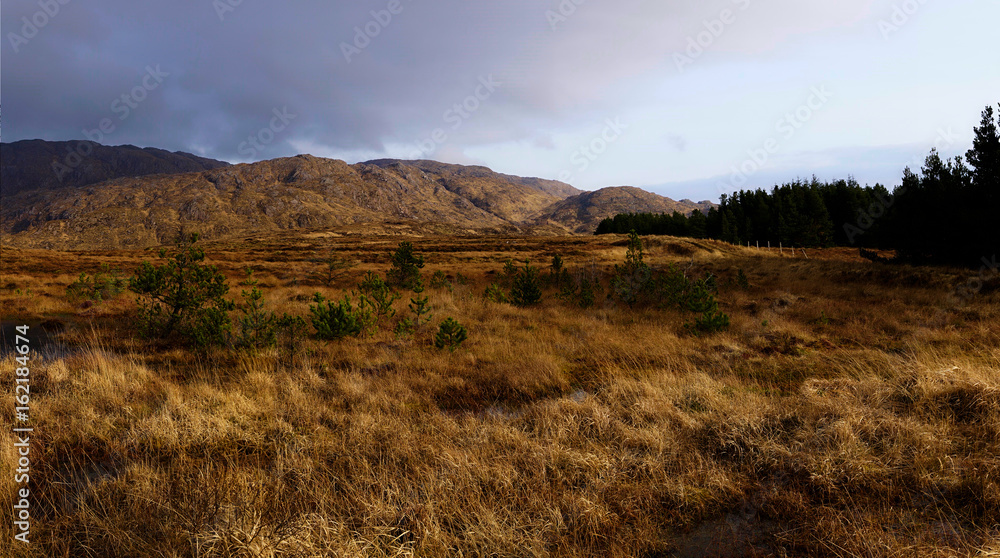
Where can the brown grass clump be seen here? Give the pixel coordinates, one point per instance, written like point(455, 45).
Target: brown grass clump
point(838, 416)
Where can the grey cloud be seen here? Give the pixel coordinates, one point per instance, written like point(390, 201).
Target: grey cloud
point(227, 76)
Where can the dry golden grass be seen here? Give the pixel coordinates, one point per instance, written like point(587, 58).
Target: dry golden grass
point(841, 415)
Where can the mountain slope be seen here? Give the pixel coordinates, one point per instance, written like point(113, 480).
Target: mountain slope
point(582, 213)
point(302, 192)
point(551, 187)
point(46, 165)
point(296, 192)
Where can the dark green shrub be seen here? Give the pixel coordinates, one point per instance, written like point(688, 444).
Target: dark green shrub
point(338, 320)
point(378, 297)
point(404, 328)
point(580, 292)
point(558, 274)
point(526, 289)
point(741, 280)
point(257, 326)
point(633, 281)
point(420, 306)
point(183, 296)
point(450, 335)
point(495, 294)
point(508, 274)
point(700, 299)
point(406, 266)
point(105, 284)
point(710, 322)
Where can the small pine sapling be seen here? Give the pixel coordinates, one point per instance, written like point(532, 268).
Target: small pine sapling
point(450, 335)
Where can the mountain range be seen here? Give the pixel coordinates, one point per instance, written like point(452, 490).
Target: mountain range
point(127, 197)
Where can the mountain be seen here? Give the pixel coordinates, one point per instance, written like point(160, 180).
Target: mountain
point(553, 187)
point(582, 213)
point(46, 165)
point(302, 193)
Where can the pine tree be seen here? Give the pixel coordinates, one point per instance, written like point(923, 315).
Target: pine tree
point(406, 266)
point(526, 289)
point(983, 200)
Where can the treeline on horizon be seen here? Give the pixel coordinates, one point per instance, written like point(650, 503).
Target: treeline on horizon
point(950, 213)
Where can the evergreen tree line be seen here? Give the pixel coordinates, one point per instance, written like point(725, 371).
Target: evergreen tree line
point(949, 213)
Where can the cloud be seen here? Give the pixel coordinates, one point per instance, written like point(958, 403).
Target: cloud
point(405, 72)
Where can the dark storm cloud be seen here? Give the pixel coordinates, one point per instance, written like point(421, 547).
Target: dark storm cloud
point(230, 65)
point(563, 67)
point(226, 74)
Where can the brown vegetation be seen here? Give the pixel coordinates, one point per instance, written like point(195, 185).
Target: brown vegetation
point(301, 193)
point(851, 409)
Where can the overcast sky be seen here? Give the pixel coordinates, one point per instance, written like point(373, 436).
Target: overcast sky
point(673, 96)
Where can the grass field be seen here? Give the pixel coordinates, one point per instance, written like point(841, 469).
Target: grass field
point(851, 409)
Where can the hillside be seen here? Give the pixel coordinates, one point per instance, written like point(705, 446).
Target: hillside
point(552, 187)
point(46, 165)
point(582, 213)
point(302, 192)
point(296, 193)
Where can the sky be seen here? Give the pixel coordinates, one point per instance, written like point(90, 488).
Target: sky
point(689, 99)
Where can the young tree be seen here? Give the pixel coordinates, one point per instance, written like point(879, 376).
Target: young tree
point(183, 296)
point(450, 335)
point(983, 201)
point(406, 266)
point(526, 289)
point(257, 326)
point(338, 320)
point(633, 279)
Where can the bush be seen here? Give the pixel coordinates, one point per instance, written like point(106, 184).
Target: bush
point(183, 296)
point(701, 299)
point(495, 294)
point(508, 274)
point(581, 291)
point(632, 281)
point(257, 326)
point(741, 280)
point(450, 335)
point(406, 266)
point(338, 320)
point(526, 289)
point(378, 297)
point(105, 284)
point(420, 306)
point(710, 322)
